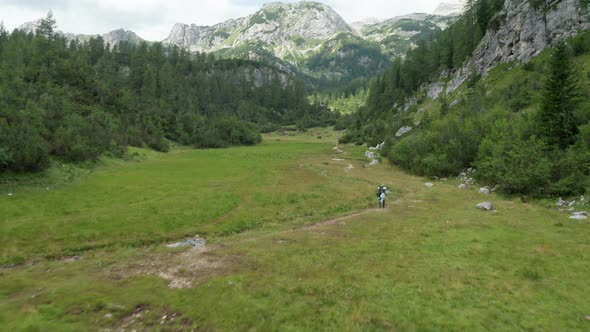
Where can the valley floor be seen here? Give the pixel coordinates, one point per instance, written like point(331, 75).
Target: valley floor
point(294, 242)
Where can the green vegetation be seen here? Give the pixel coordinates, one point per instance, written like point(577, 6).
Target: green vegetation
point(81, 101)
point(314, 5)
point(537, 109)
point(341, 102)
point(221, 34)
point(395, 45)
point(162, 198)
point(343, 59)
point(431, 260)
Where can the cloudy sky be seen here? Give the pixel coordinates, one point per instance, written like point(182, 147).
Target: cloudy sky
point(153, 19)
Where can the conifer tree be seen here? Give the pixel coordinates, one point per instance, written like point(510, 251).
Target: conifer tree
point(556, 120)
point(47, 26)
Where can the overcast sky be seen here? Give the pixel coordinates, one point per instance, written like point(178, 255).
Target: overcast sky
point(153, 19)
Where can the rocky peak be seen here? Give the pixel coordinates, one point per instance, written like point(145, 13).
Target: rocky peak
point(113, 38)
point(118, 36)
point(30, 27)
point(275, 24)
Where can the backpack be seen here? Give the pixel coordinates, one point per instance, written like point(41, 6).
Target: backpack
point(379, 191)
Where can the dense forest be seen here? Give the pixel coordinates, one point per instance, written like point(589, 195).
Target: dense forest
point(78, 101)
point(529, 135)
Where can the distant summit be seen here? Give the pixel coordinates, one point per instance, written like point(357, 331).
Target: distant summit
point(358, 25)
point(112, 38)
point(118, 36)
point(285, 27)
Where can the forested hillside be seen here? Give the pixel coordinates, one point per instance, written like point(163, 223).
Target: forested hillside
point(80, 100)
point(525, 127)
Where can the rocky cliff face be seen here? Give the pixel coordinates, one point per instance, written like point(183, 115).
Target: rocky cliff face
point(524, 32)
point(116, 37)
point(527, 31)
point(284, 27)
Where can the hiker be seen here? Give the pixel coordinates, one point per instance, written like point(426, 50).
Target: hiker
point(381, 195)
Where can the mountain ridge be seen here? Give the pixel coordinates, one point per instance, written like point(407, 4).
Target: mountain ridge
point(307, 38)
point(113, 38)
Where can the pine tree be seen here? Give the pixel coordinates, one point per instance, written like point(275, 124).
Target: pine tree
point(483, 14)
point(556, 120)
point(47, 26)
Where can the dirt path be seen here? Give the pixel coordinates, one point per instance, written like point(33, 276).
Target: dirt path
point(339, 220)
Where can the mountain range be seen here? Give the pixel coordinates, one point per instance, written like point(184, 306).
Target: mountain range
point(308, 39)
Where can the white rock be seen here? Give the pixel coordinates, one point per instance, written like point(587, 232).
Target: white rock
point(484, 190)
point(108, 316)
point(581, 213)
point(429, 184)
point(487, 206)
point(371, 155)
point(579, 217)
point(462, 186)
point(402, 131)
point(372, 163)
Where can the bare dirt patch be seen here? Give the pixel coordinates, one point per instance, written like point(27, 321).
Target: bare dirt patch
point(182, 269)
point(146, 318)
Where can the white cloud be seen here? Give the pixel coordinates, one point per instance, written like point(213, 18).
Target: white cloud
point(153, 19)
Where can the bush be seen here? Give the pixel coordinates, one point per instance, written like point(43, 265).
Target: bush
point(5, 157)
point(506, 158)
point(86, 138)
point(22, 147)
point(351, 136)
point(410, 151)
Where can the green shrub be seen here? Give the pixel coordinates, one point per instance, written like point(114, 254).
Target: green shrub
point(27, 149)
point(506, 158)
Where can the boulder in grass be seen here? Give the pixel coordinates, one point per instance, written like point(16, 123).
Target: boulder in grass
point(429, 184)
point(462, 186)
point(583, 215)
point(486, 206)
point(484, 190)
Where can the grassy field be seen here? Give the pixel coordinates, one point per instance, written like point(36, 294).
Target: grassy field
point(294, 243)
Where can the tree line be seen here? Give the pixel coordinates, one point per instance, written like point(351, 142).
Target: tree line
point(78, 101)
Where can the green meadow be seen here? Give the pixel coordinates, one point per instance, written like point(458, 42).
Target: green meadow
point(294, 242)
